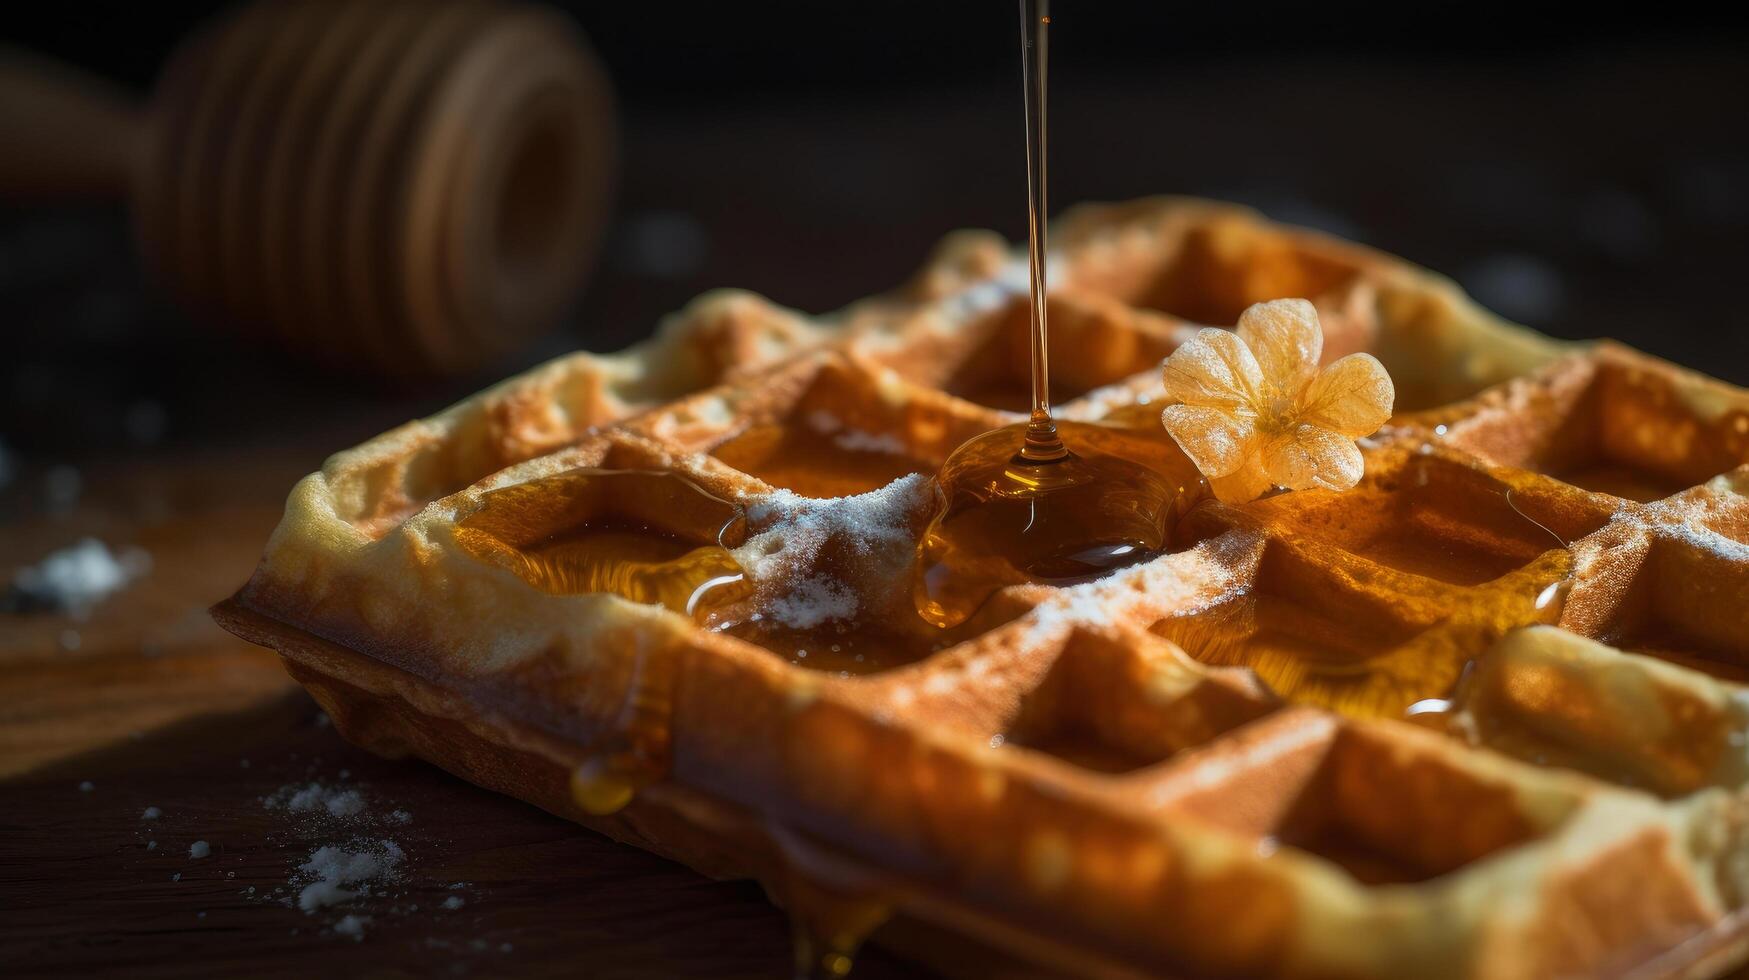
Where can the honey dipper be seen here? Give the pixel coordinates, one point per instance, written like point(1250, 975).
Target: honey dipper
point(403, 186)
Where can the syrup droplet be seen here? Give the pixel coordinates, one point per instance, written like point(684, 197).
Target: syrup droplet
point(599, 789)
point(828, 927)
point(651, 537)
point(635, 749)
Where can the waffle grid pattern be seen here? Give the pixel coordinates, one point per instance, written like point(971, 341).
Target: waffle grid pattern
point(1104, 778)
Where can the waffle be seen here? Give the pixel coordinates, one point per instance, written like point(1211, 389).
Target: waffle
point(1478, 717)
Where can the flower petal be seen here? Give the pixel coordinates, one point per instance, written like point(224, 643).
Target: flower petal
point(1311, 457)
point(1217, 442)
point(1285, 337)
point(1353, 396)
point(1244, 485)
point(1213, 369)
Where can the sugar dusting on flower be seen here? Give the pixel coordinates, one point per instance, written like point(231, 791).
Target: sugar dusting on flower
point(1253, 410)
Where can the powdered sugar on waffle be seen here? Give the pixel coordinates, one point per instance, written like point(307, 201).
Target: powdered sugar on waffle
point(814, 602)
point(1167, 584)
point(1679, 522)
point(818, 561)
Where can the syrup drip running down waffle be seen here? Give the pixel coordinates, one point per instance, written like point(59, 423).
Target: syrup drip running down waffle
point(1478, 717)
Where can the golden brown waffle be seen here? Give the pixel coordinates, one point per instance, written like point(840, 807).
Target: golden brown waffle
point(1310, 742)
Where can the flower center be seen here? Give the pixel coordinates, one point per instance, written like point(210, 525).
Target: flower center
point(1277, 415)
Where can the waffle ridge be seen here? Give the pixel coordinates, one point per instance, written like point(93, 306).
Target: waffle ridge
point(1148, 773)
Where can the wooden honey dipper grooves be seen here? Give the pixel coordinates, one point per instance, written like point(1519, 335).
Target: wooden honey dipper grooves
point(398, 186)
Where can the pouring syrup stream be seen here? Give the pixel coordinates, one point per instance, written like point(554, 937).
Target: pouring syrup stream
point(1015, 504)
point(1043, 445)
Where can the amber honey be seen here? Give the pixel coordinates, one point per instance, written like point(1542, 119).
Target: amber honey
point(1002, 519)
point(815, 462)
point(1301, 652)
point(847, 649)
point(650, 537)
point(1369, 655)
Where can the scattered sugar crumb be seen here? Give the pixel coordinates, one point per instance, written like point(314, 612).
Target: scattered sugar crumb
point(199, 849)
point(339, 874)
point(453, 902)
point(151, 813)
point(76, 577)
point(302, 799)
point(346, 804)
point(176, 877)
point(87, 786)
point(342, 804)
point(352, 925)
point(401, 817)
point(151, 845)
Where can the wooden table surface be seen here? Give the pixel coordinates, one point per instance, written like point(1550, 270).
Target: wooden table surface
point(153, 706)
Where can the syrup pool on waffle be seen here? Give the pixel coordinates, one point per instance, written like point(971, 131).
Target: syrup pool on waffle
point(647, 536)
point(1042, 501)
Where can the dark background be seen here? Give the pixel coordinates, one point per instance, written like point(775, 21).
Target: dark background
point(1588, 176)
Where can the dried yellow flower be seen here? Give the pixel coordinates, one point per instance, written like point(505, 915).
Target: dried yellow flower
point(1256, 412)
